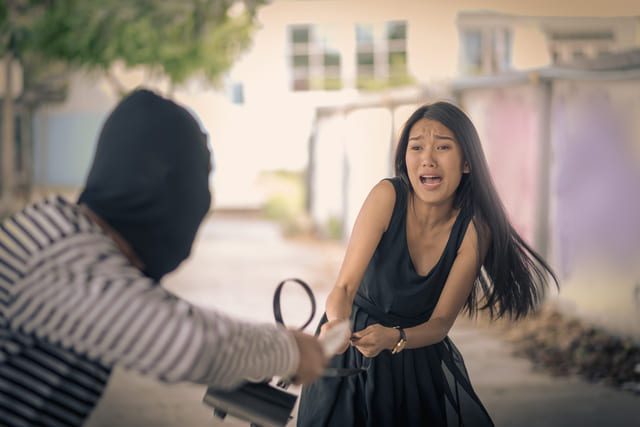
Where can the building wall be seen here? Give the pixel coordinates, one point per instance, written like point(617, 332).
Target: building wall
point(368, 143)
point(507, 121)
point(65, 135)
point(62, 161)
point(269, 130)
point(594, 215)
point(327, 178)
point(595, 211)
point(353, 150)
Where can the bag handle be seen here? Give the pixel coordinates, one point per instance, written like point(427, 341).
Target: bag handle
point(277, 311)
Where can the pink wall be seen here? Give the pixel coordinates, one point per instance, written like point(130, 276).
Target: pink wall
point(507, 122)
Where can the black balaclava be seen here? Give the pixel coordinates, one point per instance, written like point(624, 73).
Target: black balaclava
point(150, 179)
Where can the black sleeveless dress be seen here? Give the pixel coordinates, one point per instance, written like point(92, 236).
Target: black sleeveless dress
point(427, 386)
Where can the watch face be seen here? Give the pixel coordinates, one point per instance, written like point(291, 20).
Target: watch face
point(401, 342)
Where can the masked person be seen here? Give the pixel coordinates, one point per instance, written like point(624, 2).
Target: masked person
point(79, 283)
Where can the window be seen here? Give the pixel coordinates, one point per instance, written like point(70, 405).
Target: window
point(472, 51)
point(313, 60)
point(579, 45)
point(234, 90)
point(237, 93)
point(578, 54)
point(485, 50)
point(381, 57)
point(364, 35)
point(502, 48)
point(300, 34)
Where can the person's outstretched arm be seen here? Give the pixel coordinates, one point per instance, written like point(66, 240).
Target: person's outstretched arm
point(65, 282)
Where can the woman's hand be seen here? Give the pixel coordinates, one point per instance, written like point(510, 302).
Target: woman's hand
point(371, 340)
point(330, 324)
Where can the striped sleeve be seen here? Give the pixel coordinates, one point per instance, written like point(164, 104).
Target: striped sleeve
point(81, 294)
point(150, 331)
point(140, 326)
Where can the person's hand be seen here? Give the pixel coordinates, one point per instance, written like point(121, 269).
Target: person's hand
point(312, 358)
point(328, 325)
point(371, 340)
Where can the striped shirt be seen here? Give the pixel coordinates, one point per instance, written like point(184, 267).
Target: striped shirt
point(72, 306)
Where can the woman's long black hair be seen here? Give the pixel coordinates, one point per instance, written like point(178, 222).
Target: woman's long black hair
point(514, 277)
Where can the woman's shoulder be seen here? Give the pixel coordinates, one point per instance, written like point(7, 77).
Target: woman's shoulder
point(380, 204)
point(387, 186)
point(391, 196)
point(382, 194)
point(395, 186)
point(395, 183)
point(389, 191)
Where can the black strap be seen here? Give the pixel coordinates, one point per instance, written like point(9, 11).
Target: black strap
point(277, 312)
point(344, 372)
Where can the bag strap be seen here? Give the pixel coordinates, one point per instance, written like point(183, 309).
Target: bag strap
point(277, 311)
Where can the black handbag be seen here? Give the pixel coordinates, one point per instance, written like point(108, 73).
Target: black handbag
point(261, 404)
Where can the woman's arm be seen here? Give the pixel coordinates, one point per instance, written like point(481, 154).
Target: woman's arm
point(456, 290)
point(371, 223)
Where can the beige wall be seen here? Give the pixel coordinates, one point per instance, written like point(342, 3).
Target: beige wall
point(271, 129)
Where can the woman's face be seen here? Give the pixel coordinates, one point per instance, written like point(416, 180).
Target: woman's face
point(435, 162)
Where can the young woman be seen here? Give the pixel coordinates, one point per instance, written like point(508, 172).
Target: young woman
point(427, 244)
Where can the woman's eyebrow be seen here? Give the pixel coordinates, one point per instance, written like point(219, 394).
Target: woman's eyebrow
point(450, 138)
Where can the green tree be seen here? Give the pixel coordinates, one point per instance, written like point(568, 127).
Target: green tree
point(174, 38)
point(177, 38)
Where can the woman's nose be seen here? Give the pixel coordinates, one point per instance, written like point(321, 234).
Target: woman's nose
point(427, 159)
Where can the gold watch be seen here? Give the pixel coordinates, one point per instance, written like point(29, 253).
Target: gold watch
point(402, 342)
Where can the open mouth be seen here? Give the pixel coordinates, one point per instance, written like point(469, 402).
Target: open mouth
point(430, 179)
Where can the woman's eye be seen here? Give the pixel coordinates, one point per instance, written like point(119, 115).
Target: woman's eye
point(416, 147)
point(442, 147)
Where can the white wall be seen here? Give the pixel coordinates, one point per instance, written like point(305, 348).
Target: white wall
point(368, 143)
point(327, 179)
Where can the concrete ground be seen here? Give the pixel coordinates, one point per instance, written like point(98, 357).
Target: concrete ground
point(235, 266)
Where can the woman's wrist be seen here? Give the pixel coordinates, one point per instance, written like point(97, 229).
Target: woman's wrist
point(400, 342)
point(338, 313)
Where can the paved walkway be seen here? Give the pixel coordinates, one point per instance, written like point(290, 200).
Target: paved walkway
point(235, 266)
